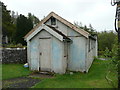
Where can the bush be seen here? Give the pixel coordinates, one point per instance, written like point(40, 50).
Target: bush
point(107, 53)
point(15, 46)
point(100, 53)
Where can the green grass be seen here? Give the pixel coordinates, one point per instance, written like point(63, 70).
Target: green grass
point(14, 70)
point(0, 71)
point(94, 79)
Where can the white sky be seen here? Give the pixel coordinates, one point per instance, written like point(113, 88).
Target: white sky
point(99, 13)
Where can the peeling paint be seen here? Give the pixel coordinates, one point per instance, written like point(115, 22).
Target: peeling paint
point(73, 56)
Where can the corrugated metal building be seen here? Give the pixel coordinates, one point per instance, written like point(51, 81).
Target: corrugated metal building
point(56, 45)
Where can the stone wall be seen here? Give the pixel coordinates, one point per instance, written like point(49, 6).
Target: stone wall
point(14, 55)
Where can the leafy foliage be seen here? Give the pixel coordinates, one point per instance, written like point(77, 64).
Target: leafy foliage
point(24, 25)
point(89, 29)
point(107, 53)
point(106, 40)
point(16, 26)
point(8, 28)
point(113, 64)
point(34, 19)
point(12, 45)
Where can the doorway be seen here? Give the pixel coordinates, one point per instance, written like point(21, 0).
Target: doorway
point(45, 54)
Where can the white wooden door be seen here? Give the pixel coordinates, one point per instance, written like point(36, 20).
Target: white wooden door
point(45, 54)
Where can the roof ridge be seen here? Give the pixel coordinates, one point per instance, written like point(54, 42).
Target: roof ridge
point(70, 23)
point(72, 26)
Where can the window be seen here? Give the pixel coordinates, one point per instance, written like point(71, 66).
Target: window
point(53, 21)
point(89, 46)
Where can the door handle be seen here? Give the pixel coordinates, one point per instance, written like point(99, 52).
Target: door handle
point(40, 53)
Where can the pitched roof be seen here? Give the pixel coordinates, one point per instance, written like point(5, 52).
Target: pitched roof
point(64, 36)
point(52, 14)
point(59, 35)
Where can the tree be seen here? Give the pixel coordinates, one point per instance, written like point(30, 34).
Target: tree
point(106, 40)
point(86, 28)
point(7, 26)
point(15, 26)
point(14, 17)
point(92, 30)
point(24, 25)
point(34, 19)
point(89, 29)
point(113, 65)
point(79, 25)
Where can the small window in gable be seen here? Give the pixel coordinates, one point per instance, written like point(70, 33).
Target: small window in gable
point(53, 21)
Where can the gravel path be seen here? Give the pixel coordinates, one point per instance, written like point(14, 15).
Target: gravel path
point(25, 82)
point(22, 82)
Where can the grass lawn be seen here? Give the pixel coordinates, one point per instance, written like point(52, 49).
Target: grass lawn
point(13, 71)
point(94, 79)
point(0, 71)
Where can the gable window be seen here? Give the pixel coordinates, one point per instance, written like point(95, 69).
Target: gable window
point(53, 21)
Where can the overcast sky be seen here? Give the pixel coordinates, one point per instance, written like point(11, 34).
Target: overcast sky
point(99, 13)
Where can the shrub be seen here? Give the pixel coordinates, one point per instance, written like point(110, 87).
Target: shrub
point(15, 46)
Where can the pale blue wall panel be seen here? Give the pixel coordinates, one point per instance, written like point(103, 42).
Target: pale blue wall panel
point(57, 55)
point(34, 54)
point(77, 54)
